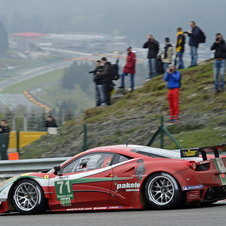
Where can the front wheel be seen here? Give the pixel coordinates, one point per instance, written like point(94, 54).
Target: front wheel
point(28, 197)
point(162, 191)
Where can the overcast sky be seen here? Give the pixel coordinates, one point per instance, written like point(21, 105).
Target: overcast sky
point(135, 18)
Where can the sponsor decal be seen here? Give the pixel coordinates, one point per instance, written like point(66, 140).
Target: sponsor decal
point(99, 208)
point(140, 171)
point(128, 186)
point(189, 153)
point(79, 209)
point(193, 195)
point(65, 202)
point(46, 176)
point(204, 162)
point(193, 187)
point(114, 207)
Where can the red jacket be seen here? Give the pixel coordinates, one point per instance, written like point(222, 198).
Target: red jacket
point(130, 63)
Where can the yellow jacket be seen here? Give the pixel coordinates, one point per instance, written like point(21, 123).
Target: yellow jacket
point(180, 41)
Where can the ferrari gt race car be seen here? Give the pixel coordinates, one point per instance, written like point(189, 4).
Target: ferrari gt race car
point(120, 177)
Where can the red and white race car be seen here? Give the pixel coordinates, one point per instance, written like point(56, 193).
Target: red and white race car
point(120, 177)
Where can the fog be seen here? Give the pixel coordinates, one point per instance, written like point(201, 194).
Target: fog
point(131, 18)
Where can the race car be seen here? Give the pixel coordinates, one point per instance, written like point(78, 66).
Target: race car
point(120, 177)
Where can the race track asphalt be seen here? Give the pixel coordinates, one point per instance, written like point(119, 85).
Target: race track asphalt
point(195, 216)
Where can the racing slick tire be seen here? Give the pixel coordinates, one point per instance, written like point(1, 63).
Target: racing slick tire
point(28, 197)
point(162, 191)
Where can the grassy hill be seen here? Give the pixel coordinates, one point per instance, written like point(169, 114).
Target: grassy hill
point(135, 117)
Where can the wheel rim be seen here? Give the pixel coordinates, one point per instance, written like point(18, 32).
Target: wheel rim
point(161, 190)
point(26, 196)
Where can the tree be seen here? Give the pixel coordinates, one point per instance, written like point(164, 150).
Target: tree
point(3, 39)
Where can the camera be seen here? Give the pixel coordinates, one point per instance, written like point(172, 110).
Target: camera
point(218, 39)
point(171, 70)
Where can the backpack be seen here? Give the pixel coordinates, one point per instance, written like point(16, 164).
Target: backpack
point(114, 75)
point(202, 37)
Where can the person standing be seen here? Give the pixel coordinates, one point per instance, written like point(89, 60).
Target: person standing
point(153, 49)
point(129, 69)
point(193, 43)
point(4, 128)
point(219, 62)
point(99, 85)
point(167, 54)
point(106, 79)
point(180, 43)
point(173, 79)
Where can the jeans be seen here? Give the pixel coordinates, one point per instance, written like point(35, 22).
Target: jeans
point(180, 63)
point(107, 92)
point(152, 67)
point(194, 55)
point(219, 66)
point(165, 65)
point(99, 95)
point(131, 80)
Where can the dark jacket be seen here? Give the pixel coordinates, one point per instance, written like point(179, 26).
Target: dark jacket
point(173, 80)
point(97, 78)
point(51, 123)
point(153, 48)
point(194, 37)
point(105, 74)
point(220, 49)
point(130, 63)
point(5, 129)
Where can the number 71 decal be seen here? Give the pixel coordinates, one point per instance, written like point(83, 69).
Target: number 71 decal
point(64, 190)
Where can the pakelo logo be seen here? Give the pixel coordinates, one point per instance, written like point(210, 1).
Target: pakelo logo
point(129, 186)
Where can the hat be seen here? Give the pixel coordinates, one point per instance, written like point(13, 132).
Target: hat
point(171, 65)
point(129, 48)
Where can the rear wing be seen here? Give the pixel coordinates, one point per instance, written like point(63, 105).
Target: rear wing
point(195, 152)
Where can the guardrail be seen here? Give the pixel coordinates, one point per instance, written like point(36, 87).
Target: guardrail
point(9, 168)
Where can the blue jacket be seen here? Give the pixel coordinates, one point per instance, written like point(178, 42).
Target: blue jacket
point(194, 37)
point(173, 80)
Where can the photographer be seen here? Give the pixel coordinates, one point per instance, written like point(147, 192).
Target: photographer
point(106, 79)
point(153, 49)
point(99, 84)
point(50, 122)
point(219, 63)
point(173, 79)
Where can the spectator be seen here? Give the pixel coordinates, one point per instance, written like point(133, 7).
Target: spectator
point(4, 128)
point(173, 78)
point(106, 79)
point(219, 63)
point(129, 69)
point(167, 54)
point(99, 84)
point(180, 42)
point(194, 43)
point(153, 49)
point(50, 122)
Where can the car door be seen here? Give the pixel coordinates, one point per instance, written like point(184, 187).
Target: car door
point(83, 182)
point(126, 182)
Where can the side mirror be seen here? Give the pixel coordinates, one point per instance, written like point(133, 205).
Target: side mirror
point(56, 169)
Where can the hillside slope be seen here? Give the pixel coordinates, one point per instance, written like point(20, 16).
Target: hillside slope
point(135, 117)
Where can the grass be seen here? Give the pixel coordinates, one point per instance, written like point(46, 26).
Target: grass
point(48, 77)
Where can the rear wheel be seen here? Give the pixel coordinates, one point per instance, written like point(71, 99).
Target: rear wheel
point(28, 197)
point(162, 191)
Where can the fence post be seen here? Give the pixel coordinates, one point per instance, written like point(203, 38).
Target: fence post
point(14, 121)
point(84, 137)
point(162, 133)
point(25, 121)
point(18, 141)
